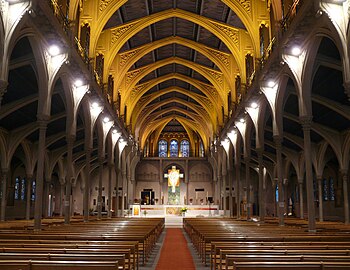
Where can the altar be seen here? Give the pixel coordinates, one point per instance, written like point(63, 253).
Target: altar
point(175, 210)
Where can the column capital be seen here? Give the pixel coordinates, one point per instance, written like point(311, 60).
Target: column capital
point(301, 181)
point(42, 120)
point(110, 165)
point(278, 140)
point(347, 89)
point(3, 87)
point(343, 173)
point(29, 176)
point(101, 160)
point(70, 138)
point(305, 121)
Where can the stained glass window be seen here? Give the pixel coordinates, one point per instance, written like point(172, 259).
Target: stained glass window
point(276, 193)
point(17, 186)
point(331, 189)
point(174, 148)
point(185, 148)
point(33, 190)
point(325, 189)
point(23, 189)
point(162, 148)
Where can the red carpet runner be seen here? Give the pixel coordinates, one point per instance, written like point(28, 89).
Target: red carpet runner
point(175, 253)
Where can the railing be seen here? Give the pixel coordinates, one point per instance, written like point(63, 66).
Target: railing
point(57, 11)
point(285, 23)
point(60, 15)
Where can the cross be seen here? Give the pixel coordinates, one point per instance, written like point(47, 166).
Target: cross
point(173, 176)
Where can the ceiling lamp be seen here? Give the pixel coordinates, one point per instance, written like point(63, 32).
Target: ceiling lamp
point(271, 83)
point(78, 83)
point(254, 105)
point(296, 51)
point(94, 105)
point(106, 119)
point(54, 50)
point(242, 120)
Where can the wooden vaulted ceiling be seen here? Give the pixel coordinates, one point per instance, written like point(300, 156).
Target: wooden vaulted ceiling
point(174, 62)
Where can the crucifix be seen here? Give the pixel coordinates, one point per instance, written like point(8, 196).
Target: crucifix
point(173, 176)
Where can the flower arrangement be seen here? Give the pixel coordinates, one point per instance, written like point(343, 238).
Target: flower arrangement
point(183, 210)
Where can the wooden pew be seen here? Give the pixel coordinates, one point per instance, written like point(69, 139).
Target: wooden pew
point(232, 259)
point(56, 265)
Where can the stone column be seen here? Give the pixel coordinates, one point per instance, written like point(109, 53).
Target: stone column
point(62, 198)
point(301, 198)
point(219, 177)
point(3, 89)
point(224, 204)
point(99, 197)
point(123, 191)
point(306, 124)
point(320, 199)
point(110, 172)
point(86, 198)
point(238, 193)
point(247, 181)
point(285, 190)
point(261, 186)
point(229, 178)
point(4, 173)
point(67, 200)
point(347, 89)
point(46, 197)
point(29, 195)
point(117, 213)
point(39, 184)
point(344, 175)
point(279, 164)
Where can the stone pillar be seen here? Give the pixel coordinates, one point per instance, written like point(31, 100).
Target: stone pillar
point(261, 186)
point(320, 199)
point(306, 124)
point(110, 172)
point(247, 181)
point(67, 200)
point(219, 177)
point(46, 197)
point(344, 175)
point(347, 89)
point(230, 178)
point(62, 198)
point(39, 184)
point(117, 213)
point(3, 89)
point(279, 164)
point(29, 195)
point(86, 198)
point(238, 193)
point(4, 194)
point(301, 198)
point(224, 204)
point(99, 197)
point(285, 191)
point(123, 191)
